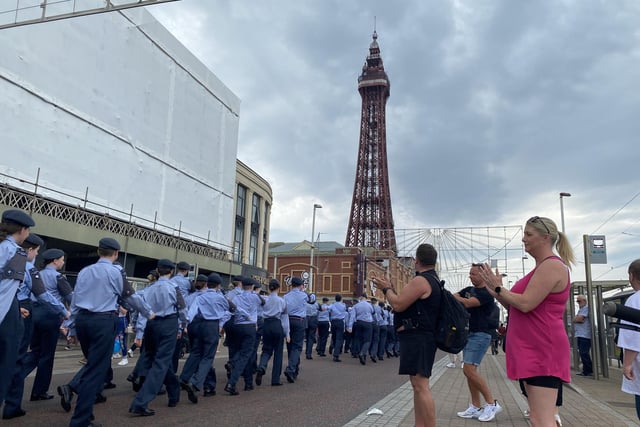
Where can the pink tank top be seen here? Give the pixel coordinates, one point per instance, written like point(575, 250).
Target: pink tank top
point(537, 344)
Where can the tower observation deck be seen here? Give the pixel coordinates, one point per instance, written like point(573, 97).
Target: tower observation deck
point(371, 219)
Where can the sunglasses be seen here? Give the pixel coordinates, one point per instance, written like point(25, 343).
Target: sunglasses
point(538, 219)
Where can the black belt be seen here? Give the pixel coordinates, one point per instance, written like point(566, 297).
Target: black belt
point(297, 317)
point(272, 318)
point(169, 316)
point(85, 311)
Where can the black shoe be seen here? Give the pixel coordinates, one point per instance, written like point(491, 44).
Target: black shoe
point(290, 378)
point(389, 354)
point(172, 404)
point(231, 390)
point(208, 393)
point(248, 387)
point(44, 396)
point(309, 358)
point(259, 375)
point(137, 383)
point(16, 414)
point(66, 395)
point(336, 359)
point(323, 355)
point(363, 360)
point(162, 391)
point(395, 354)
point(380, 358)
point(275, 384)
point(100, 398)
point(109, 385)
point(94, 425)
point(191, 391)
point(143, 412)
point(373, 359)
point(131, 378)
point(582, 374)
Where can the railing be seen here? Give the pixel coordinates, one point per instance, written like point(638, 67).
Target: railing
point(156, 233)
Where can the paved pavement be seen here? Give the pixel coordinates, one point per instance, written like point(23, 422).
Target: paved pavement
point(322, 398)
point(587, 402)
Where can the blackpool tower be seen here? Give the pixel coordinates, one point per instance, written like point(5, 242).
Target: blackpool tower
point(371, 220)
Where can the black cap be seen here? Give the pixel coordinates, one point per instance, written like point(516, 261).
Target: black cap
point(51, 254)
point(237, 278)
point(166, 263)
point(325, 299)
point(153, 273)
point(214, 278)
point(109, 243)
point(374, 299)
point(183, 265)
point(296, 281)
point(274, 282)
point(247, 281)
point(201, 278)
point(257, 285)
point(364, 295)
point(17, 217)
point(34, 240)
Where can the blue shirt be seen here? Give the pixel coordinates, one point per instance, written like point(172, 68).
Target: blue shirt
point(50, 278)
point(234, 293)
point(312, 310)
point(337, 311)
point(247, 304)
point(296, 303)
point(276, 307)
point(362, 311)
point(183, 284)
point(323, 315)
point(211, 305)
point(379, 319)
point(8, 287)
point(25, 291)
point(583, 330)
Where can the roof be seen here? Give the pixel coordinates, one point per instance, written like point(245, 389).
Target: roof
point(304, 246)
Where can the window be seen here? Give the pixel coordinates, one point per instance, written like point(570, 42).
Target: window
point(238, 240)
point(346, 264)
point(326, 284)
point(255, 228)
point(346, 285)
point(264, 231)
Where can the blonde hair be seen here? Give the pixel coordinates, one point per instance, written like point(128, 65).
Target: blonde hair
point(546, 226)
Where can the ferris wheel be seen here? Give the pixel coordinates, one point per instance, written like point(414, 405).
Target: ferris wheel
point(458, 248)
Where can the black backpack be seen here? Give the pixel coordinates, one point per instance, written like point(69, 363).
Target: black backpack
point(494, 320)
point(452, 323)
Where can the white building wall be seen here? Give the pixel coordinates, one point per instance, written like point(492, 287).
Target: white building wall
point(115, 103)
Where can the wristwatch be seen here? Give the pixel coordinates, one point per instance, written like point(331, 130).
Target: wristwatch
point(497, 289)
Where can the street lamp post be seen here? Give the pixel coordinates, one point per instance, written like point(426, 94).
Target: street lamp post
point(571, 308)
point(313, 232)
point(562, 209)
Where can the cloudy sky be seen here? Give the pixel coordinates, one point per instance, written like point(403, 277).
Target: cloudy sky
point(496, 107)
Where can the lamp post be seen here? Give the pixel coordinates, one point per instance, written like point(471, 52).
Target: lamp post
point(562, 209)
point(313, 232)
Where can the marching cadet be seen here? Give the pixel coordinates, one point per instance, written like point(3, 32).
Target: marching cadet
point(257, 288)
point(337, 315)
point(362, 318)
point(207, 315)
point(276, 328)
point(297, 301)
point(383, 323)
point(14, 229)
point(181, 279)
point(32, 289)
point(160, 340)
point(46, 324)
point(323, 327)
point(311, 326)
point(375, 330)
point(246, 319)
point(94, 317)
point(230, 335)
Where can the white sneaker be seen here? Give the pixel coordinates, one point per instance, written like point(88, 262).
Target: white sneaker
point(558, 420)
point(450, 365)
point(489, 412)
point(129, 353)
point(470, 412)
point(116, 356)
point(123, 362)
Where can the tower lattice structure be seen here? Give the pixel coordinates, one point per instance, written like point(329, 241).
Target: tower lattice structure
point(371, 219)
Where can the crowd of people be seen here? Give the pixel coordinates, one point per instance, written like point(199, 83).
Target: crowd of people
point(172, 313)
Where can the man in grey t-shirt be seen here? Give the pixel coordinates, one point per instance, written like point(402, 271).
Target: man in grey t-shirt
point(582, 325)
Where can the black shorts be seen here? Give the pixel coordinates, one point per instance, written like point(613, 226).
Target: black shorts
point(417, 353)
point(546, 382)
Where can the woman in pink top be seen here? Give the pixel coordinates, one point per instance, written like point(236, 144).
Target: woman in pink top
point(537, 344)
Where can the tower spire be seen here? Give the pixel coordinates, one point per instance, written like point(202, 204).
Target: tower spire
point(371, 219)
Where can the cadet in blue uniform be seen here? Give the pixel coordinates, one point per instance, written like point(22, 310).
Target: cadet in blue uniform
point(94, 319)
point(337, 315)
point(323, 327)
point(207, 315)
point(276, 329)
point(375, 330)
point(362, 318)
point(297, 301)
point(383, 323)
point(160, 339)
point(181, 280)
point(230, 335)
point(246, 319)
point(46, 324)
point(32, 289)
point(257, 288)
point(312, 325)
point(14, 229)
